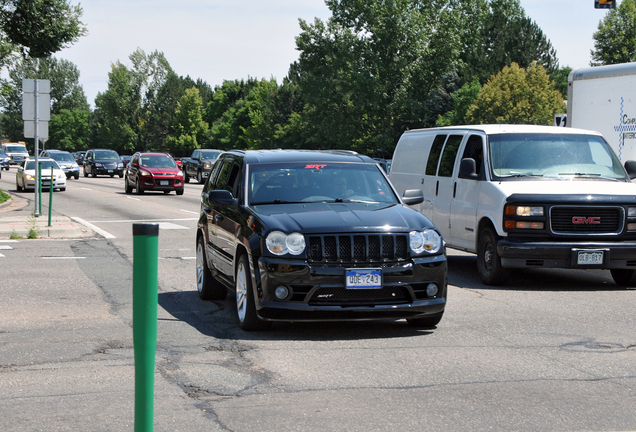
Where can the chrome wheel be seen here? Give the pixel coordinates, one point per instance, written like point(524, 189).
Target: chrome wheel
point(241, 291)
point(200, 267)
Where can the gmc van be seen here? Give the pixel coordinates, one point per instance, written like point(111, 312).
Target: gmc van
point(17, 152)
point(523, 196)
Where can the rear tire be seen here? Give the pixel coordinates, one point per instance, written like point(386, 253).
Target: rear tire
point(488, 261)
point(624, 277)
point(245, 303)
point(426, 322)
point(208, 287)
point(85, 173)
point(186, 178)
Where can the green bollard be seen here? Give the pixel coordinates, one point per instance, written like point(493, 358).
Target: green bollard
point(39, 188)
point(145, 299)
point(50, 197)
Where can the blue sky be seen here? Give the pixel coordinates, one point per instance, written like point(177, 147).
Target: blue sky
point(225, 40)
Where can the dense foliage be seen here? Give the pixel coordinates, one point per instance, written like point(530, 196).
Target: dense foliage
point(374, 69)
point(615, 39)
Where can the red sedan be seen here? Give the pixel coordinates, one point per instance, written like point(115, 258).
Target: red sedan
point(153, 172)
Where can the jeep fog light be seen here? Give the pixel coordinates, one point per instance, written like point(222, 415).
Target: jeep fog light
point(281, 292)
point(431, 290)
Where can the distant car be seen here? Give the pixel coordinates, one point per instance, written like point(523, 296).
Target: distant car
point(65, 160)
point(4, 160)
point(103, 162)
point(310, 236)
point(153, 172)
point(25, 176)
point(125, 159)
point(79, 157)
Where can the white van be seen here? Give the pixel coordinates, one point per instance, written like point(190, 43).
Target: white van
point(522, 196)
point(17, 152)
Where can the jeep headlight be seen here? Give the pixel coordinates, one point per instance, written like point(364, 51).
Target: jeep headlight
point(280, 243)
point(427, 240)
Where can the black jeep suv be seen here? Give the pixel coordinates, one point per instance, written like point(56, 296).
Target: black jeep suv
point(316, 235)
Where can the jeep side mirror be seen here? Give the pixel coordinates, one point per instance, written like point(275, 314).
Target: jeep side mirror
point(222, 197)
point(413, 196)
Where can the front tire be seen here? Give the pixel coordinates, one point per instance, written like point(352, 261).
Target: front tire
point(624, 277)
point(140, 190)
point(127, 186)
point(245, 303)
point(85, 173)
point(488, 261)
point(179, 191)
point(208, 287)
point(200, 178)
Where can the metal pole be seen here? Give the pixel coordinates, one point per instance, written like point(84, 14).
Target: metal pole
point(145, 299)
point(38, 194)
point(38, 208)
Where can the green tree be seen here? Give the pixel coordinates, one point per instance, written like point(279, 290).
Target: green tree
point(462, 100)
point(66, 92)
point(498, 34)
point(615, 39)
point(519, 96)
point(41, 27)
point(561, 80)
point(69, 130)
point(190, 128)
point(365, 74)
point(116, 111)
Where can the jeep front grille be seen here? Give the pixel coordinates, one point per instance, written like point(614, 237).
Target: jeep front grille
point(358, 248)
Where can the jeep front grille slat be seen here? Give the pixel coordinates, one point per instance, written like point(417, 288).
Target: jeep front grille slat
point(357, 248)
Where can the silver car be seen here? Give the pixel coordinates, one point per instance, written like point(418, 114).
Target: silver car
point(65, 160)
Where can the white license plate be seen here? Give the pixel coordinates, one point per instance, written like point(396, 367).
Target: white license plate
point(110, 171)
point(164, 182)
point(590, 257)
point(364, 279)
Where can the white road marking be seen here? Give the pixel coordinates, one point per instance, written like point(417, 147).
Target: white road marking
point(85, 188)
point(5, 247)
point(188, 258)
point(93, 227)
point(8, 241)
point(1, 256)
point(144, 220)
point(188, 211)
point(62, 258)
point(169, 225)
point(136, 199)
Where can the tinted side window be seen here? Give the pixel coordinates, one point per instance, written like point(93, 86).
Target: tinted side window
point(475, 150)
point(447, 163)
point(433, 156)
point(223, 178)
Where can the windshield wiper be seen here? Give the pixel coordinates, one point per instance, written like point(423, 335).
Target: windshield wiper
point(521, 175)
point(588, 175)
point(277, 201)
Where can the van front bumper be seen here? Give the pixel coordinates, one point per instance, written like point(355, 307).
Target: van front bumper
point(525, 254)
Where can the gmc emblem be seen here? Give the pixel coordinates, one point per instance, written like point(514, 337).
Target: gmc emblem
point(580, 220)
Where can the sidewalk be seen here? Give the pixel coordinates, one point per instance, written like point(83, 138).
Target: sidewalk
point(16, 218)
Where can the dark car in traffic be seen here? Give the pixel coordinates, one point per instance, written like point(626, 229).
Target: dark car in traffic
point(65, 160)
point(4, 161)
point(316, 235)
point(153, 172)
point(102, 162)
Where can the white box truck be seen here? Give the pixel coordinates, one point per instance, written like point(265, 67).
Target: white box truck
point(603, 99)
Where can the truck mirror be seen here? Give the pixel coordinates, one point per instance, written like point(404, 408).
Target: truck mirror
point(468, 168)
point(630, 167)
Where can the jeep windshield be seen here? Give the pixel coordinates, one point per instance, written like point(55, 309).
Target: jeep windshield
point(295, 182)
point(541, 156)
point(106, 155)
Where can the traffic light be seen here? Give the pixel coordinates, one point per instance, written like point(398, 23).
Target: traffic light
point(604, 4)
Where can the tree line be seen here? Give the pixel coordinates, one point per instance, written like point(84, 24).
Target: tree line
point(371, 71)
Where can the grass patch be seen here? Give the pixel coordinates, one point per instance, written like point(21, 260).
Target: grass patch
point(4, 196)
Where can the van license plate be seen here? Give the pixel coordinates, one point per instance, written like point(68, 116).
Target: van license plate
point(364, 279)
point(590, 257)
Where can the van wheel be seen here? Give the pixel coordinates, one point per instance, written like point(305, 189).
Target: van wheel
point(488, 261)
point(624, 277)
point(208, 287)
point(245, 303)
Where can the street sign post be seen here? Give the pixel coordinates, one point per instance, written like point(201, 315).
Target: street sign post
point(36, 110)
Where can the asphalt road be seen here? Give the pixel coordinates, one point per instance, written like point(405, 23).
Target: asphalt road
point(552, 350)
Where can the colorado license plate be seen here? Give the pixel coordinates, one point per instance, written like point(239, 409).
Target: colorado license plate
point(364, 279)
point(590, 257)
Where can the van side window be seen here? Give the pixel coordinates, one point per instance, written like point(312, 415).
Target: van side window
point(448, 157)
point(433, 156)
point(475, 150)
